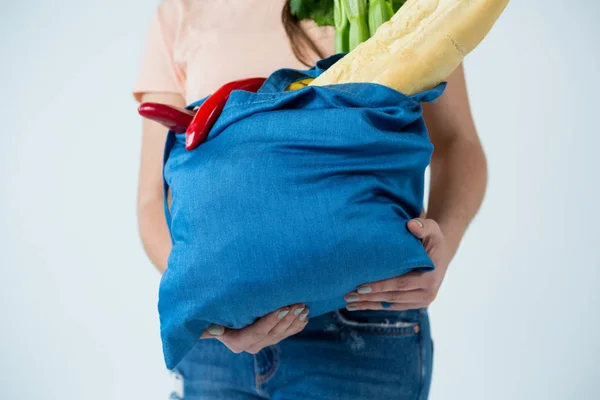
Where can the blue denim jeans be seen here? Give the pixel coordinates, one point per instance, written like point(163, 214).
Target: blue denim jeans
point(339, 355)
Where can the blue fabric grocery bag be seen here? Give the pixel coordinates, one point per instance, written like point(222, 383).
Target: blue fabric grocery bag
point(293, 197)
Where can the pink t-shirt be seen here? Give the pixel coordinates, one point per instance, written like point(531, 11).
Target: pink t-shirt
point(195, 46)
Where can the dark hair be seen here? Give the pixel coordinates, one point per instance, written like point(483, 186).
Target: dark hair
point(299, 40)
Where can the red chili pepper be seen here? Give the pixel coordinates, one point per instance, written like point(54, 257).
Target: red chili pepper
point(175, 118)
point(211, 108)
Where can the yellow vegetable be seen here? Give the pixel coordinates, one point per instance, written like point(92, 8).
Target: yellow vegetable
point(422, 44)
point(299, 84)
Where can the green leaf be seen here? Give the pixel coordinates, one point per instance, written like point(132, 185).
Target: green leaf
point(320, 11)
point(396, 4)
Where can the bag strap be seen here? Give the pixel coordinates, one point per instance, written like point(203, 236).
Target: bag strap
point(170, 142)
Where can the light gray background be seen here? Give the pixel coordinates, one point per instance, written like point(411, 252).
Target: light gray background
point(517, 317)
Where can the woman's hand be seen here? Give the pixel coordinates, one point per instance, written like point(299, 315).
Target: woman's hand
point(413, 290)
point(267, 331)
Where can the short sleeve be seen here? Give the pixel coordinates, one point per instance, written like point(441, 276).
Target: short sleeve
point(158, 70)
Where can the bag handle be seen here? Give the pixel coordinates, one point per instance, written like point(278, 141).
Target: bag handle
point(170, 142)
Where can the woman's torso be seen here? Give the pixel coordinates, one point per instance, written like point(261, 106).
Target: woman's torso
point(218, 41)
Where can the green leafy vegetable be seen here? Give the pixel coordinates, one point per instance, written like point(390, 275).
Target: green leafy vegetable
point(390, 8)
point(355, 21)
point(379, 12)
point(396, 4)
point(342, 27)
point(357, 15)
point(320, 11)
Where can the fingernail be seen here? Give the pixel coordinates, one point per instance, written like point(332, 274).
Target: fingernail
point(283, 314)
point(418, 223)
point(352, 308)
point(297, 311)
point(215, 330)
point(364, 289)
point(303, 316)
point(352, 297)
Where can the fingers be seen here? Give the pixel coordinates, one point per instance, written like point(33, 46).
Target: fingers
point(261, 328)
point(280, 329)
point(297, 325)
point(272, 327)
point(242, 339)
point(410, 281)
point(428, 231)
point(367, 305)
point(406, 292)
point(421, 227)
point(411, 290)
point(297, 322)
point(238, 339)
point(213, 331)
point(407, 297)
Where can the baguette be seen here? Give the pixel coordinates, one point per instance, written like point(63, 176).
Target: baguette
point(419, 47)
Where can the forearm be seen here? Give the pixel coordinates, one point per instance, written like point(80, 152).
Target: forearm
point(457, 187)
point(154, 232)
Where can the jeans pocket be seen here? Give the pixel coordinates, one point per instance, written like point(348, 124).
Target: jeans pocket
point(381, 321)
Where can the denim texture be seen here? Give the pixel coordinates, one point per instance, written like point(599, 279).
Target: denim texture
point(342, 355)
point(294, 197)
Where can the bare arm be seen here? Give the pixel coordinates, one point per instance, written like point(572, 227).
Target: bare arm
point(152, 224)
point(458, 166)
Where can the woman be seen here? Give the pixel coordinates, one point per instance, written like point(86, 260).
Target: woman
point(362, 351)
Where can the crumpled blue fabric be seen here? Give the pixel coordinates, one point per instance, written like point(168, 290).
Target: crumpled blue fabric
point(294, 197)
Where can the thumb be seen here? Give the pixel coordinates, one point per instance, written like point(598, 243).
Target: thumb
point(212, 332)
point(419, 227)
